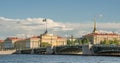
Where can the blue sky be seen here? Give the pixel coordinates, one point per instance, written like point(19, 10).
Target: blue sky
point(62, 10)
point(65, 17)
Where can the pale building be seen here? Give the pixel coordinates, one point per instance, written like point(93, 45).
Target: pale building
point(9, 42)
point(36, 41)
point(32, 42)
point(97, 37)
point(21, 44)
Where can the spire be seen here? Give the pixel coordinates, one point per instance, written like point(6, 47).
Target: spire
point(94, 30)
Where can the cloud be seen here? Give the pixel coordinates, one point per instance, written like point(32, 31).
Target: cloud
point(35, 26)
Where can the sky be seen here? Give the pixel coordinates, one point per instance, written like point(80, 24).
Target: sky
point(64, 17)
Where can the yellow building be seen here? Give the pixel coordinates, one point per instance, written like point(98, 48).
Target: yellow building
point(36, 41)
point(33, 42)
point(61, 41)
point(97, 37)
point(53, 40)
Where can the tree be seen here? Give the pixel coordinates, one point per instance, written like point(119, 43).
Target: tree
point(71, 42)
point(107, 42)
point(85, 41)
point(116, 42)
point(45, 44)
point(68, 42)
point(110, 42)
point(77, 42)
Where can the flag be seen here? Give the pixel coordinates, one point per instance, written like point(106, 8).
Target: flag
point(44, 20)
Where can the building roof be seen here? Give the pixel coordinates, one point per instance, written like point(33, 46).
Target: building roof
point(14, 38)
point(103, 34)
point(1, 41)
point(58, 37)
point(34, 37)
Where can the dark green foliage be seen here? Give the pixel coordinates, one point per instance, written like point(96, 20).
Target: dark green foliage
point(78, 41)
point(110, 42)
point(85, 41)
point(45, 44)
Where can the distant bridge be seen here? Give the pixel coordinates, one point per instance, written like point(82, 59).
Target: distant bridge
point(106, 49)
point(76, 49)
point(32, 51)
point(73, 49)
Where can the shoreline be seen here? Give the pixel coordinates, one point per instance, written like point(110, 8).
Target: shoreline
point(66, 54)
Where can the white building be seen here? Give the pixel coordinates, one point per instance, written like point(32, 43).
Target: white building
point(9, 42)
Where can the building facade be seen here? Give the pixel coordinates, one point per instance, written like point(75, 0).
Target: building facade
point(28, 43)
point(33, 42)
point(9, 43)
point(53, 40)
point(1, 44)
point(21, 44)
point(36, 41)
point(97, 37)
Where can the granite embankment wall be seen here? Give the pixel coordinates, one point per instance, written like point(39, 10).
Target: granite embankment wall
point(7, 52)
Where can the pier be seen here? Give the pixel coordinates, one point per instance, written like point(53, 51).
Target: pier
point(76, 49)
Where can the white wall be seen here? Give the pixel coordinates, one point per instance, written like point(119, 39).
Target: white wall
point(8, 45)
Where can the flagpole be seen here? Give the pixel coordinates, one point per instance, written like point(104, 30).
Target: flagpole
point(46, 24)
point(45, 20)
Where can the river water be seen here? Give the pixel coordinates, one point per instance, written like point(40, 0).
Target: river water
point(57, 59)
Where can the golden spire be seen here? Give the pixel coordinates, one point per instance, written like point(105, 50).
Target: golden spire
point(94, 30)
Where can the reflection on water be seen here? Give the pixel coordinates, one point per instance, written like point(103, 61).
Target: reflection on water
point(57, 59)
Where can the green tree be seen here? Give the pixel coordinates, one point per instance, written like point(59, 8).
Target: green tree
point(85, 41)
point(109, 42)
point(70, 42)
point(45, 44)
point(102, 42)
point(116, 42)
point(79, 41)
